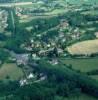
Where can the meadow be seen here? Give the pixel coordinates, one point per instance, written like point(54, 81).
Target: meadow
point(10, 71)
point(94, 77)
point(81, 97)
point(84, 65)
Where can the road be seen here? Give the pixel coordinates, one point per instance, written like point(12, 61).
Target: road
point(13, 20)
point(15, 4)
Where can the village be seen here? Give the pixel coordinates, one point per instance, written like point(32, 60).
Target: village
point(48, 44)
point(51, 43)
point(3, 20)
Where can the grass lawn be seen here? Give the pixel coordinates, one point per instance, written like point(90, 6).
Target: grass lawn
point(26, 19)
point(94, 77)
point(86, 47)
point(91, 12)
point(82, 97)
point(2, 43)
point(24, 0)
point(56, 12)
point(11, 70)
point(83, 65)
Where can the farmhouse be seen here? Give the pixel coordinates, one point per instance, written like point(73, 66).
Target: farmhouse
point(30, 76)
point(23, 82)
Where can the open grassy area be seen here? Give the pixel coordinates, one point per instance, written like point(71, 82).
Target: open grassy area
point(83, 65)
point(10, 70)
point(24, 0)
point(55, 12)
point(92, 12)
point(84, 48)
point(94, 77)
point(81, 97)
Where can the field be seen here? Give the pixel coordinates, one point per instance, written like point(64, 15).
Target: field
point(82, 97)
point(10, 70)
point(92, 12)
point(84, 48)
point(94, 77)
point(84, 65)
point(56, 12)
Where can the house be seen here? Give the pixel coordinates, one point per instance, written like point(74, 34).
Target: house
point(54, 62)
point(30, 76)
point(61, 35)
point(96, 34)
point(63, 40)
point(43, 78)
point(59, 50)
point(23, 82)
point(35, 57)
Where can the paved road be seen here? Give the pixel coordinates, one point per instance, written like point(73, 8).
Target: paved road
point(13, 22)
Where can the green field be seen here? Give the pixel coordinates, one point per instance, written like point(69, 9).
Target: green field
point(82, 97)
point(94, 77)
point(10, 70)
point(92, 12)
point(84, 65)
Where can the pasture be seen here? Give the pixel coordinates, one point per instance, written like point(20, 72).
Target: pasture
point(81, 97)
point(94, 77)
point(84, 65)
point(10, 70)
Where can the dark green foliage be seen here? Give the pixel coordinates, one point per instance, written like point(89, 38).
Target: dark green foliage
point(93, 72)
point(35, 92)
point(7, 88)
point(2, 37)
point(3, 54)
point(63, 74)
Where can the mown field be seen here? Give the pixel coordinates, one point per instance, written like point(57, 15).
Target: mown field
point(84, 48)
point(10, 71)
point(84, 65)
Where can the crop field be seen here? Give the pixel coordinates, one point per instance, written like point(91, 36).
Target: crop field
point(84, 48)
point(10, 70)
point(84, 65)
